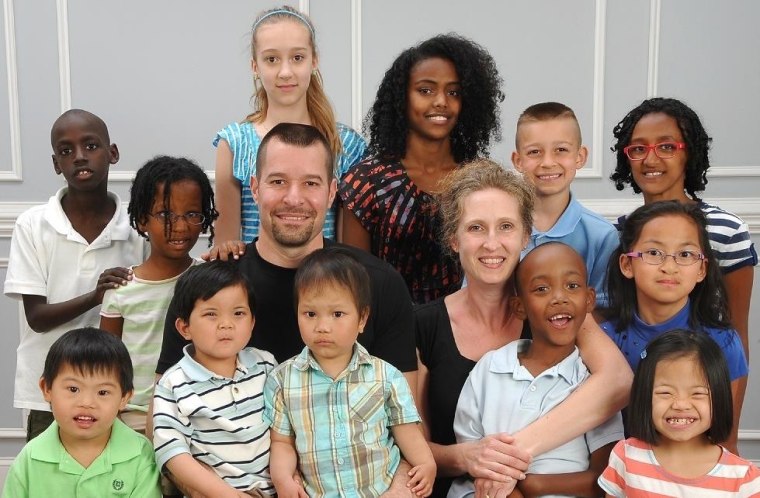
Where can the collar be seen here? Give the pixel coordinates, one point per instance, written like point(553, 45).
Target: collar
point(247, 361)
point(117, 229)
point(677, 321)
point(566, 223)
point(505, 361)
point(305, 360)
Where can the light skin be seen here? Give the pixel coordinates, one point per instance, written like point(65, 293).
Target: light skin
point(84, 405)
point(83, 155)
point(663, 179)
point(169, 254)
point(433, 107)
point(489, 238)
point(283, 62)
point(330, 323)
point(663, 290)
point(548, 154)
point(219, 327)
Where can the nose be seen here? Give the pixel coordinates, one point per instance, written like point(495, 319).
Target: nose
point(79, 154)
point(86, 398)
point(669, 264)
point(650, 158)
point(285, 70)
point(491, 242)
point(559, 295)
point(293, 195)
point(441, 100)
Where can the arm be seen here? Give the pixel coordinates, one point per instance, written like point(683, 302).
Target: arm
point(581, 484)
point(353, 233)
point(194, 478)
point(738, 387)
point(605, 392)
point(283, 465)
point(112, 325)
point(43, 316)
point(412, 444)
point(147, 485)
point(227, 196)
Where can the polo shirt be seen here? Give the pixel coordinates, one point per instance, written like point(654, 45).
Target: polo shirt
point(49, 258)
point(590, 234)
point(126, 467)
point(341, 426)
point(501, 395)
point(218, 420)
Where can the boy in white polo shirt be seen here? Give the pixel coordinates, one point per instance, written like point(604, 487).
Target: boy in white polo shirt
point(65, 254)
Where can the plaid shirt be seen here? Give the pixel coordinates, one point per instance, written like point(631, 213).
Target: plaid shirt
point(341, 426)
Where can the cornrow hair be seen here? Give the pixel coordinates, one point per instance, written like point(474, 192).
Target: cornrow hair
point(166, 171)
point(694, 134)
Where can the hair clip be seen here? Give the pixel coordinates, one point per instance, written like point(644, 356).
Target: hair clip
point(643, 354)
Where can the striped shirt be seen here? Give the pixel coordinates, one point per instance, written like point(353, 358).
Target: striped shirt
point(218, 420)
point(142, 304)
point(634, 472)
point(244, 143)
point(729, 239)
point(341, 426)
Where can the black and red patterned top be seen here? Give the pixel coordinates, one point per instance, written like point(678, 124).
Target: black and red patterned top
point(403, 223)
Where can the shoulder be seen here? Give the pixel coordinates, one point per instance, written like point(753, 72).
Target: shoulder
point(720, 217)
point(254, 356)
point(432, 310)
point(350, 137)
point(595, 220)
point(375, 169)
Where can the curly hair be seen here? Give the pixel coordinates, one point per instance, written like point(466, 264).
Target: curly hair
point(694, 134)
point(167, 170)
point(387, 124)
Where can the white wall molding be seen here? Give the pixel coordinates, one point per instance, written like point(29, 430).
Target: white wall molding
point(594, 170)
point(64, 58)
point(733, 171)
point(14, 123)
point(356, 64)
point(3, 262)
point(304, 6)
point(9, 211)
point(12, 433)
point(655, 11)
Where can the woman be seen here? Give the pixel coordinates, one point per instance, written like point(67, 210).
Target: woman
point(486, 217)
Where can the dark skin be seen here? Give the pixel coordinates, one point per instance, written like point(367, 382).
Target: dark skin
point(82, 154)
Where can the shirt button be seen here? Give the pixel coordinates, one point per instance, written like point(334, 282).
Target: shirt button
point(235, 389)
point(340, 461)
point(532, 388)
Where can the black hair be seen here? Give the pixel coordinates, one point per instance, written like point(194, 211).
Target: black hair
point(334, 266)
point(673, 345)
point(708, 298)
point(166, 171)
point(387, 124)
point(89, 350)
point(517, 272)
point(97, 122)
point(204, 281)
point(297, 135)
point(694, 135)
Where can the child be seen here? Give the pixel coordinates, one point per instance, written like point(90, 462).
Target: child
point(171, 203)
point(664, 276)
point(662, 151)
point(680, 410)
point(209, 432)
point(86, 451)
point(65, 254)
point(288, 88)
point(331, 406)
point(516, 384)
point(436, 108)
point(549, 152)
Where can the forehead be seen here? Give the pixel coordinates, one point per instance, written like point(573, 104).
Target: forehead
point(560, 129)
point(434, 68)
point(87, 374)
point(657, 125)
point(294, 161)
point(550, 260)
point(325, 292)
point(685, 369)
point(281, 32)
point(670, 227)
point(78, 123)
point(490, 202)
point(182, 191)
point(231, 294)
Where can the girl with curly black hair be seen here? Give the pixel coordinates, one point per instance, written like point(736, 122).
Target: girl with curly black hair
point(662, 151)
point(436, 108)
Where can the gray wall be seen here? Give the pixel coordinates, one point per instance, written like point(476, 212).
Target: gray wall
point(166, 75)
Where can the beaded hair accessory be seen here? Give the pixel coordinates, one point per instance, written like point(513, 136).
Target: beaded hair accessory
point(284, 12)
point(643, 354)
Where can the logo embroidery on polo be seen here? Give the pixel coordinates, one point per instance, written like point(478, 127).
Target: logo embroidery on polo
point(117, 484)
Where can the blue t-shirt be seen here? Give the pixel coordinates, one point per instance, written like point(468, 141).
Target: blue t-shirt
point(633, 340)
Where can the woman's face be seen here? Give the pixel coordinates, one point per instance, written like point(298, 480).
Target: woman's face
point(490, 236)
point(433, 99)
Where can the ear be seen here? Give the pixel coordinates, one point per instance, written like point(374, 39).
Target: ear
point(255, 188)
point(363, 317)
point(517, 307)
point(113, 152)
point(315, 61)
point(45, 389)
point(454, 244)
point(333, 191)
point(626, 268)
point(702, 270)
point(125, 399)
point(517, 161)
point(254, 67)
point(590, 299)
point(582, 157)
point(183, 328)
point(55, 165)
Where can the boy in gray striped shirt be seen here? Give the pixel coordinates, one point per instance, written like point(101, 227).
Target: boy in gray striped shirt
point(209, 434)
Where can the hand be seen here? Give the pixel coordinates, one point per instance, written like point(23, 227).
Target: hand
point(231, 248)
point(496, 458)
point(290, 488)
point(111, 279)
point(486, 488)
point(421, 478)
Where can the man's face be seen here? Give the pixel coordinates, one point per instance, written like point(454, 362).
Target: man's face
point(293, 192)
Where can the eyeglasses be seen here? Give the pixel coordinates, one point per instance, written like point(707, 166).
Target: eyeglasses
point(657, 257)
point(664, 150)
point(191, 218)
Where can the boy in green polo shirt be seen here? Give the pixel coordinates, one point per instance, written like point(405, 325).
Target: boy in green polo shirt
point(87, 452)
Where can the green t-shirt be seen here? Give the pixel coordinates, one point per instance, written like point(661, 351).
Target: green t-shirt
point(127, 467)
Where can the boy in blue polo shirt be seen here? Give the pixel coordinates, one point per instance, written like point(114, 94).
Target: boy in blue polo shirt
point(86, 452)
point(549, 150)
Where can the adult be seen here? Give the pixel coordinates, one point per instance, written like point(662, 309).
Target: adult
point(436, 108)
point(487, 219)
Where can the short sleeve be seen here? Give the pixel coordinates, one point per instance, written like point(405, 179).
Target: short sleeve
point(147, 485)
point(358, 191)
point(609, 432)
point(15, 485)
point(612, 480)
point(399, 402)
point(597, 275)
point(275, 411)
point(26, 274)
point(244, 144)
point(729, 239)
point(171, 429)
point(732, 348)
point(111, 307)
point(468, 420)
point(354, 148)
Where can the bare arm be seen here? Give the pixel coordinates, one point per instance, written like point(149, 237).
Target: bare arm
point(112, 325)
point(283, 466)
point(353, 233)
point(193, 477)
point(43, 316)
point(227, 196)
point(605, 392)
point(413, 446)
point(738, 388)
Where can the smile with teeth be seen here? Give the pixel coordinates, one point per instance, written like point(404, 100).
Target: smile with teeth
point(492, 260)
point(553, 176)
point(560, 319)
point(680, 421)
point(437, 117)
point(653, 173)
point(83, 172)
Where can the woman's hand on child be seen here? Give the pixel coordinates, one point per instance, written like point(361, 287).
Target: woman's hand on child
point(224, 251)
point(111, 279)
point(496, 458)
point(486, 488)
point(421, 478)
